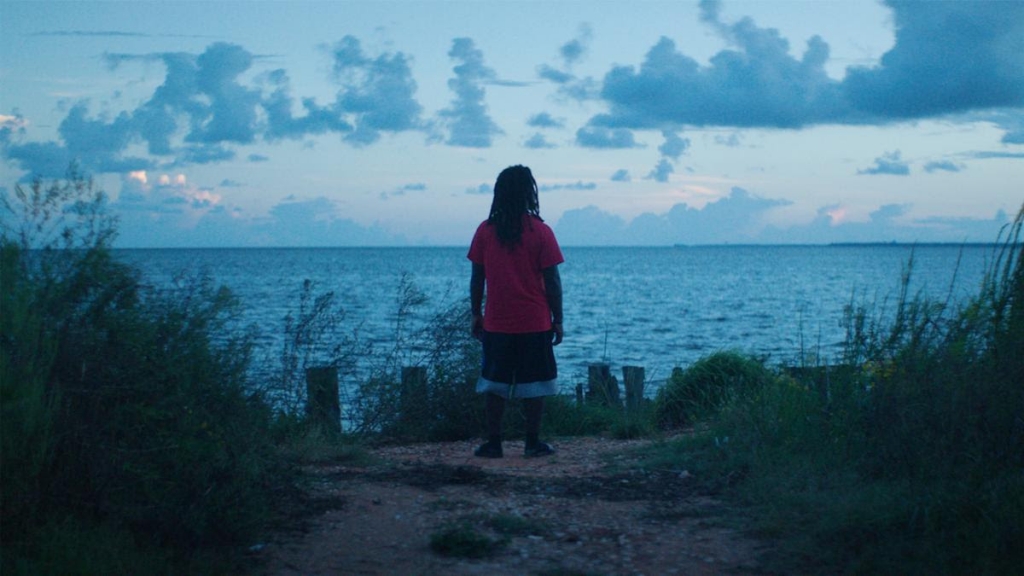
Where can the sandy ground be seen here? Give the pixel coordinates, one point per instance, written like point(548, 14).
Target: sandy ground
point(583, 510)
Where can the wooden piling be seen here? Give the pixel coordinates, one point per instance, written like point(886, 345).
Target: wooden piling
point(633, 380)
point(323, 406)
point(602, 387)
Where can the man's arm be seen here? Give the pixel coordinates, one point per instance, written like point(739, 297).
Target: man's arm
point(476, 299)
point(553, 291)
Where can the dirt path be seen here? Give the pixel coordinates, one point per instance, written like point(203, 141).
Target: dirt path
point(570, 513)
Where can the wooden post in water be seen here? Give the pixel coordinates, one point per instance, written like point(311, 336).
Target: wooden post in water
point(413, 394)
point(602, 387)
point(323, 406)
point(633, 380)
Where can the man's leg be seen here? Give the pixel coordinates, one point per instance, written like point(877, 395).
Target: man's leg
point(495, 411)
point(534, 408)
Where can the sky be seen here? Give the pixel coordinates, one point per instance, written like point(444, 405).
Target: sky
point(347, 123)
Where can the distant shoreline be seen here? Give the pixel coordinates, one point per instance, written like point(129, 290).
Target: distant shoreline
point(611, 246)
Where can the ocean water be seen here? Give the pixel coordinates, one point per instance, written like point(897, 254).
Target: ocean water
point(657, 307)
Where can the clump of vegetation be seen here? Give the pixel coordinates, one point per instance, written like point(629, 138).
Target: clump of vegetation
point(462, 540)
point(907, 459)
point(125, 416)
point(705, 387)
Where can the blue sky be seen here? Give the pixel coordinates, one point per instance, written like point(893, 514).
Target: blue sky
point(651, 123)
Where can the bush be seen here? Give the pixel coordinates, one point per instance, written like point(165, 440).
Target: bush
point(122, 407)
point(706, 386)
point(910, 459)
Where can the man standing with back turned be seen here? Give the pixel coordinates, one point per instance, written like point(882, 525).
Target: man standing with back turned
point(515, 254)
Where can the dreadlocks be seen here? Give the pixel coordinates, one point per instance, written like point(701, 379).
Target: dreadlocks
point(515, 194)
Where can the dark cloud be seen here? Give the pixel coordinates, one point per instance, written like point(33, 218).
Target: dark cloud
point(674, 146)
point(91, 33)
point(202, 107)
point(257, 158)
point(96, 145)
point(661, 171)
point(481, 189)
point(537, 141)
point(573, 50)
point(988, 155)
point(578, 185)
point(205, 154)
point(379, 92)
point(402, 190)
point(889, 163)
point(621, 175)
point(545, 120)
point(949, 57)
point(569, 85)
point(600, 137)
point(228, 183)
point(280, 120)
point(467, 119)
point(942, 165)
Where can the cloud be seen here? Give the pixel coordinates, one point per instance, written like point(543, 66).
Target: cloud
point(573, 50)
point(674, 146)
point(481, 189)
point(569, 85)
point(281, 123)
point(949, 57)
point(379, 92)
point(91, 33)
point(537, 141)
point(257, 158)
point(661, 171)
point(621, 175)
point(889, 163)
point(546, 72)
point(228, 183)
point(467, 119)
point(545, 120)
point(943, 165)
point(578, 185)
point(988, 155)
point(589, 226)
point(737, 217)
point(95, 144)
point(600, 137)
point(202, 110)
point(402, 190)
point(740, 217)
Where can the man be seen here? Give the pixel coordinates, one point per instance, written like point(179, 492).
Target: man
point(516, 257)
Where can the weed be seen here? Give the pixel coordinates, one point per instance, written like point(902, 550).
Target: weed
point(462, 540)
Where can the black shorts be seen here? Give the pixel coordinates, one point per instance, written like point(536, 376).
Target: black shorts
point(520, 365)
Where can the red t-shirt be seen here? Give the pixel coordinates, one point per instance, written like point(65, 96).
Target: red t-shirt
point(516, 301)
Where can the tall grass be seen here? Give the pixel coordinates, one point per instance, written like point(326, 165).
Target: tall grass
point(909, 459)
point(125, 416)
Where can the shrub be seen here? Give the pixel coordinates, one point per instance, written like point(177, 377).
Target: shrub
point(122, 407)
point(710, 383)
point(908, 460)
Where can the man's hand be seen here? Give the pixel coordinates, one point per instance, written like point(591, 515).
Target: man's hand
point(476, 327)
point(556, 334)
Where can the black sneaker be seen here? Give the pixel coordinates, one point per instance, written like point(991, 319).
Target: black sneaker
point(488, 450)
point(538, 449)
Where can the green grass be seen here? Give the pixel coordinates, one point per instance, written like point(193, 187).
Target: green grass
point(907, 459)
point(462, 540)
